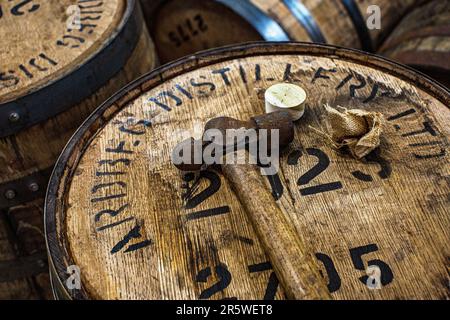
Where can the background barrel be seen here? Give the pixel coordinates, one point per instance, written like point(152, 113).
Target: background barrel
point(137, 228)
point(422, 40)
point(181, 27)
point(59, 60)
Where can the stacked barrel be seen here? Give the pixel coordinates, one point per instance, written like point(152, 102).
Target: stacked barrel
point(181, 27)
point(59, 60)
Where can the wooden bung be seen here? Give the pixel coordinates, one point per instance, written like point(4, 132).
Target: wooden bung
point(422, 40)
point(136, 228)
point(182, 27)
point(60, 59)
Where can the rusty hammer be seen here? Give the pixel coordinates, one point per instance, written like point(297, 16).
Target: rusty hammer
point(293, 264)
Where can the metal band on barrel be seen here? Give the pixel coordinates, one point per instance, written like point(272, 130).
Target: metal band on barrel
point(268, 28)
point(25, 189)
point(302, 14)
point(72, 89)
point(360, 24)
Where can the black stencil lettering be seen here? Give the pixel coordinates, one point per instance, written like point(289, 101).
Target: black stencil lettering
point(115, 162)
point(272, 285)
point(257, 72)
point(321, 74)
point(427, 128)
point(208, 213)
point(110, 212)
point(96, 5)
point(106, 198)
point(287, 72)
point(276, 185)
point(191, 29)
point(182, 34)
point(70, 41)
point(375, 157)
point(119, 149)
point(401, 115)
point(334, 279)
point(373, 93)
point(353, 87)
point(107, 185)
point(430, 156)
point(211, 86)
point(314, 172)
point(27, 73)
point(224, 280)
point(134, 233)
point(7, 81)
point(425, 144)
point(243, 74)
point(178, 101)
point(293, 157)
point(192, 200)
point(33, 63)
point(142, 123)
point(174, 38)
point(25, 4)
point(356, 256)
point(184, 91)
point(106, 173)
point(115, 224)
point(201, 25)
point(90, 18)
point(223, 73)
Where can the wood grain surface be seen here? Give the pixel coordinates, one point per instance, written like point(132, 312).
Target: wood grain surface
point(137, 229)
point(40, 49)
point(42, 25)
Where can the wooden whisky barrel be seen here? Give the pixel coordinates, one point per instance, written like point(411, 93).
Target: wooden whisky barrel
point(181, 27)
point(136, 228)
point(58, 62)
point(422, 40)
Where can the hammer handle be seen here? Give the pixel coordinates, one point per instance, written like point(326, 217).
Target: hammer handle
point(294, 266)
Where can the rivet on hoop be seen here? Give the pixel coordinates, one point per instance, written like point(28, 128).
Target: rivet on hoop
point(14, 117)
point(41, 263)
point(33, 187)
point(10, 194)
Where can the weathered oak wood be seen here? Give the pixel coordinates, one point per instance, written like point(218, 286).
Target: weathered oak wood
point(119, 210)
point(181, 27)
point(53, 74)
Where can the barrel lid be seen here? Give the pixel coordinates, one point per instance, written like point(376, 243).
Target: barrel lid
point(47, 47)
point(137, 229)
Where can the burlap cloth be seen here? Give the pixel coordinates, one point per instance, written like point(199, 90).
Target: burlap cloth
point(358, 130)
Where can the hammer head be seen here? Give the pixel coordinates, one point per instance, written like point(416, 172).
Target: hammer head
point(279, 120)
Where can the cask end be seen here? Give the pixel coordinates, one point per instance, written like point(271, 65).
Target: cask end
point(137, 228)
point(181, 27)
point(422, 40)
point(60, 60)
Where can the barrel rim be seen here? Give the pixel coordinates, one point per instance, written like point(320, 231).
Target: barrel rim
point(84, 135)
point(41, 102)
